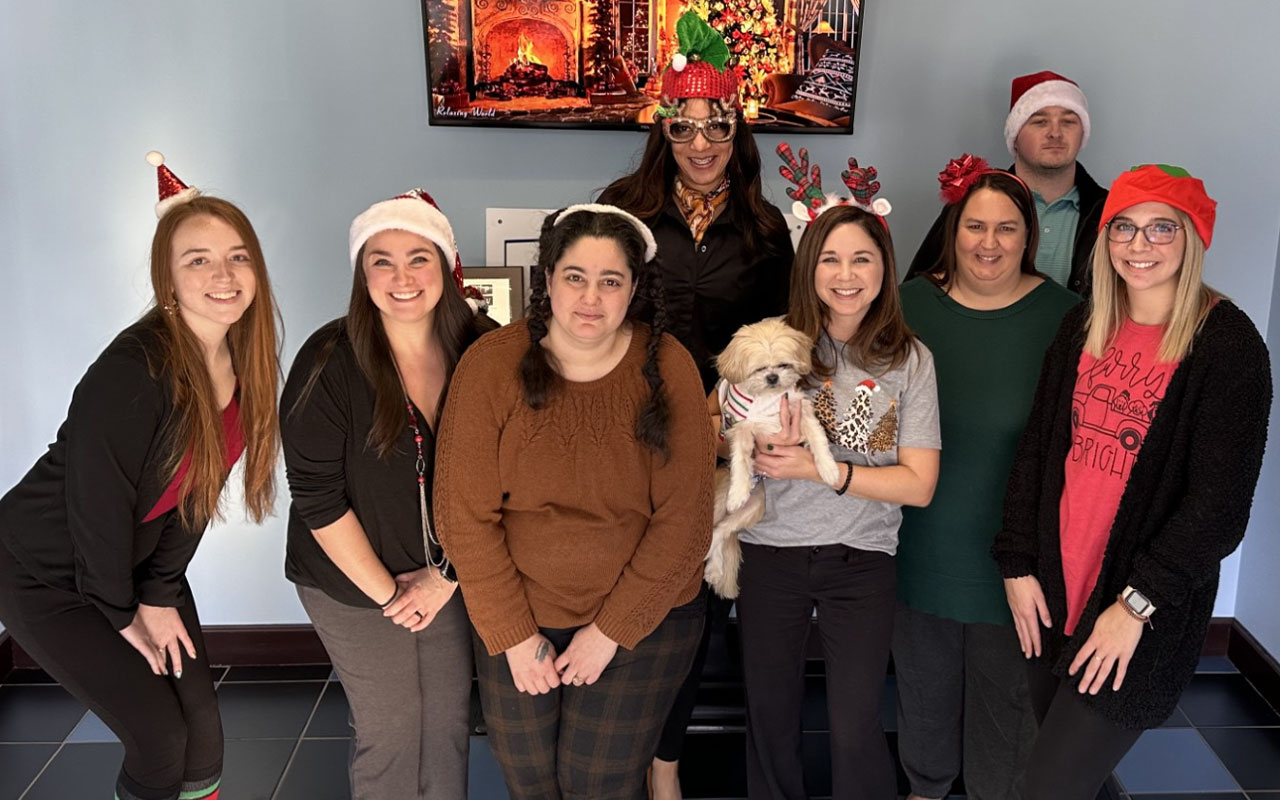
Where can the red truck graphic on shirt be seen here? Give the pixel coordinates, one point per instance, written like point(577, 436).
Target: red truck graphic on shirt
point(1117, 413)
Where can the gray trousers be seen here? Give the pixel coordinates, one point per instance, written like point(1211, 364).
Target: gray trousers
point(962, 701)
point(409, 695)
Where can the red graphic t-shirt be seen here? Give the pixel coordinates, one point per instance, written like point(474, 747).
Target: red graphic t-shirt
point(1114, 403)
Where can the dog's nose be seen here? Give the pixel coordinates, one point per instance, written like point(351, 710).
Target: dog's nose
point(771, 379)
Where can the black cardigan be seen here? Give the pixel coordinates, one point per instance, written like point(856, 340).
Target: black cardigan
point(1092, 198)
point(1184, 508)
point(75, 520)
point(717, 286)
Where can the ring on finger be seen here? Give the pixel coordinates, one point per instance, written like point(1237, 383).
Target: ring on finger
point(420, 614)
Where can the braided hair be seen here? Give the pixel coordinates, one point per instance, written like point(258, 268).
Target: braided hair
point(538, 378)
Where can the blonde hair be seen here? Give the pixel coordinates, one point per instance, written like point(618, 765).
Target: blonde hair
point(1191, 304)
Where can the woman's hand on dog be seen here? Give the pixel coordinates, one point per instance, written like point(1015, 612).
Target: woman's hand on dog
point(789, 433)
point(780, 455)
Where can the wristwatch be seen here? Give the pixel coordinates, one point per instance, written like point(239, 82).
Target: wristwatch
point(1137, 603)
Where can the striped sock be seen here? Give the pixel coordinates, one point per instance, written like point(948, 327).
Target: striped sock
point(201, 790)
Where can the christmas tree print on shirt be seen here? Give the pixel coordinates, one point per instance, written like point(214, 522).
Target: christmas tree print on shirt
point(854, 429)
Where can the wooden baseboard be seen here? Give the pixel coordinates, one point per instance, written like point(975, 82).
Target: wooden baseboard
point(1218, 637)
point(6, 654)
point(1255, 663)
point(228, 645)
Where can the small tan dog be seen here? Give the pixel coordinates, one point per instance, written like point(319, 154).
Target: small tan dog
point(763, 363)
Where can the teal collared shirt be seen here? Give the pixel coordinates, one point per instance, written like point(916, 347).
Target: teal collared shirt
point(1058, 221)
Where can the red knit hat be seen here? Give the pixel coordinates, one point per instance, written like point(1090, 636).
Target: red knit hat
point(699, 68)
point(1162, 183)
point(1030, 93)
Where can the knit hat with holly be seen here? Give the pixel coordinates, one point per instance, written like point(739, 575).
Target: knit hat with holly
point(1030, 93)
point(1162, 183)
point(416, 212)
point(172, 190)
point(698, 69)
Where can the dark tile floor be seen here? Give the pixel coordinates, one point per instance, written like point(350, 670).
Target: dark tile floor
point(287, 738)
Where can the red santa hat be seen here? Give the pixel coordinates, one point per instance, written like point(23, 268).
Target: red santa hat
point(172, 190)
point(1030, 93)
point(414, 211)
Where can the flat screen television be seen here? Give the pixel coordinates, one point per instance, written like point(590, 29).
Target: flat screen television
point(585, 64)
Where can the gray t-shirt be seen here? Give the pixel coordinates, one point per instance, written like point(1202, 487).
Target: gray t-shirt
point(867, 417)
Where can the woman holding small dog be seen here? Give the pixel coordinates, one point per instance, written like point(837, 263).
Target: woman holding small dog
point(829, 545)
point(575, 503)
point(1133, 480)
point(726, 255)
point(988, 317)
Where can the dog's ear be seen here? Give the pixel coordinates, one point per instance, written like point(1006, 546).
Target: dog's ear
point(734, 363)
point(800, 346)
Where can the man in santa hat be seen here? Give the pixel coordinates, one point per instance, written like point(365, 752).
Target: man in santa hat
point(1047, 125)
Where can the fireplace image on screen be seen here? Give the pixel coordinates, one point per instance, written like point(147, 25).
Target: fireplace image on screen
point(584, 63)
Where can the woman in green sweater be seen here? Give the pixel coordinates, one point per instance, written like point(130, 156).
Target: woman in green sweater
point(988, 317)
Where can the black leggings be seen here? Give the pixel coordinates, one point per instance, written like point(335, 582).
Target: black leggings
point(170, 728)
point(1076, 748)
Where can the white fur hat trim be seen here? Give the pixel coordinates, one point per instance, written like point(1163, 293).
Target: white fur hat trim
point(410, 214)
point(1043, 95)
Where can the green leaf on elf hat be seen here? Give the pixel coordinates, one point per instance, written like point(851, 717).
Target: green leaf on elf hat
point(697, 38)
point(1168, 169)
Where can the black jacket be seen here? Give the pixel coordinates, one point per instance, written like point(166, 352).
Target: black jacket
point(715, 288)
point(1092, 198)
point(1183, 510)
point(75, 519)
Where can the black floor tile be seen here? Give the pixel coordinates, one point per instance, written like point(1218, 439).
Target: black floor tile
point(1215, 664)
point(19, 764)
point(25, 676)
point(266, 710)
point(79, 770)
point(714, 765)
point(294, 672)
point(37, 713)
point(1178, 719)
point(1191, 796)
point(318, 772)
point(1251, 754)
point(252, 769)
point(1214, 700)
point(330, 719)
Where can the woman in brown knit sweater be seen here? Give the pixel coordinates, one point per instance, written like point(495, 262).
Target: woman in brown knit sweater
point(575, 504)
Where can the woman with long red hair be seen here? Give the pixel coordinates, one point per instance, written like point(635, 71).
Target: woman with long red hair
point(96, 538)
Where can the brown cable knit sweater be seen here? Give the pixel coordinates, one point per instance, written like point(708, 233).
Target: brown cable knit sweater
point(559, 517)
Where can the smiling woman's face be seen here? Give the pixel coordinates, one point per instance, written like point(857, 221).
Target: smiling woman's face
point(700, 163)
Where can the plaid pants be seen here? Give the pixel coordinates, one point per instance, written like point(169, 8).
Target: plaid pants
point(588, 741)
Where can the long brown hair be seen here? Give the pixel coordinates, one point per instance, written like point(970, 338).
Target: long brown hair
point(454, 325)
point(648, 189)
point(197, 425)
point(882, 341)
point(1018, 193)
point(538, 378)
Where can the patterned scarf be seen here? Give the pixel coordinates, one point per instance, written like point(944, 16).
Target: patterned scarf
point(699, 209)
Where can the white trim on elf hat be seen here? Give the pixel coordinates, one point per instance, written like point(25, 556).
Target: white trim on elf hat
point(1041, 90)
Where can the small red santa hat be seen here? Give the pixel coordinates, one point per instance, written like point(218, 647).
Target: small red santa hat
point(172, 190)
point(1030, 93)
point(414, 211)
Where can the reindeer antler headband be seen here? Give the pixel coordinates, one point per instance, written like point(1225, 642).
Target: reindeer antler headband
point(810, 201)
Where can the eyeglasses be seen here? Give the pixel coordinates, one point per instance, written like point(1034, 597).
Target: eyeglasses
point(1156, 232)
point(683, 129)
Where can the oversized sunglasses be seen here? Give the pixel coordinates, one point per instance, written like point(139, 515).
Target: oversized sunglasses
point(714, 129)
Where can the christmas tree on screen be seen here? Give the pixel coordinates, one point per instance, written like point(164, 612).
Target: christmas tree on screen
point(753, 34)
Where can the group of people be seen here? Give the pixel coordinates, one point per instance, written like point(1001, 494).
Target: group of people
point(532, 504)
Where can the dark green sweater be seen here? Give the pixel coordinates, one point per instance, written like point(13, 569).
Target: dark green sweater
point(987, 365)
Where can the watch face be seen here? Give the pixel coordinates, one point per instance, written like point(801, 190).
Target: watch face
point(1137, 602)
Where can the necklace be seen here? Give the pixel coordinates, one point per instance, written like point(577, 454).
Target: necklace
point(429, 539)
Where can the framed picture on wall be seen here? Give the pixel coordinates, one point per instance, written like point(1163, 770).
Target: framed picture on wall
point(503, 290)
point(599, 63)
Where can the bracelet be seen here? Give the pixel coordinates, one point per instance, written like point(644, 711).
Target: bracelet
point(1139, 617)
point(394, 594)
point(848, 477)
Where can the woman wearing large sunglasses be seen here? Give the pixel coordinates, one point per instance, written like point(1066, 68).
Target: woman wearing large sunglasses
point(725, 252)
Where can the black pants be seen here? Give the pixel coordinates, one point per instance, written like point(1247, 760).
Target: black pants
point(1076, 749)
point(170, 728)
point(671, 745)
point(853, 592)
point(588, 742)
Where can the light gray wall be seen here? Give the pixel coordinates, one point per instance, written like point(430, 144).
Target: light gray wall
point(305, 112)
point(1258, 595)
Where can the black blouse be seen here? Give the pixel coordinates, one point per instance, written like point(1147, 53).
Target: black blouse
point(331, 469)
point(75, 519)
